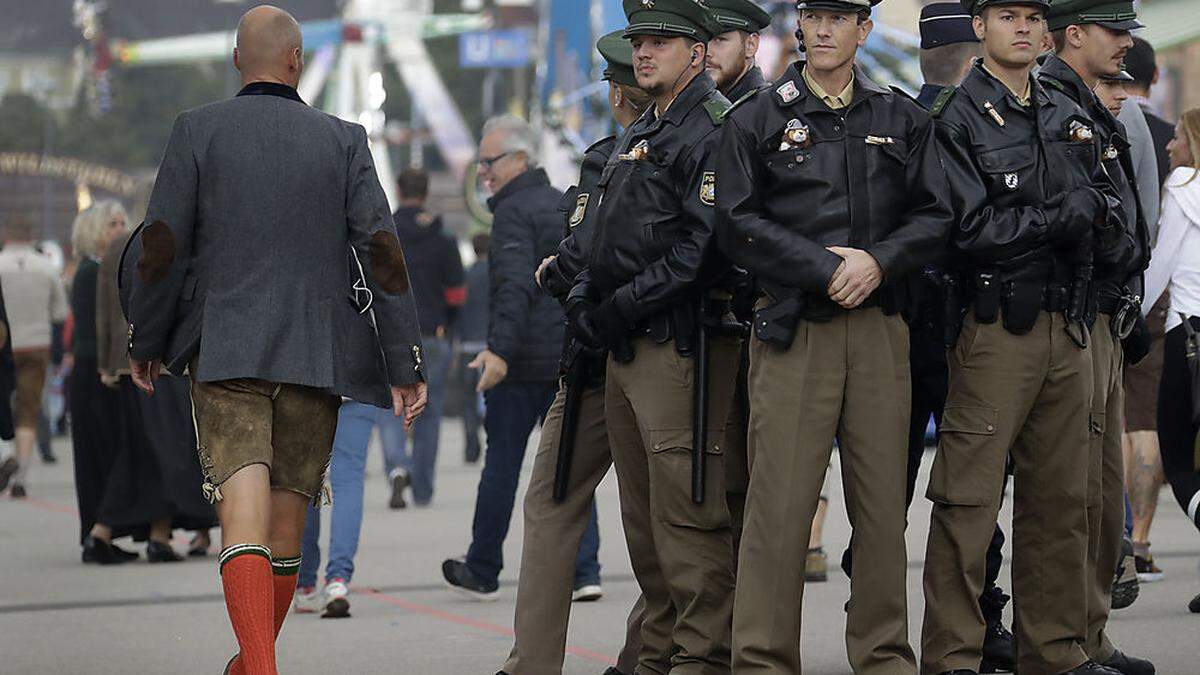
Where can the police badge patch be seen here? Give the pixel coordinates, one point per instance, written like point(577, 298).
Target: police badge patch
point(580, 209)
point(788, 92)
point(708, 188)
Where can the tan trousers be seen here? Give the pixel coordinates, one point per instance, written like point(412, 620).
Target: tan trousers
point(737, 460)
point(849, 379)
point(1106, 486)
point(552, 535)
point(1031, 393)
point(681, 552)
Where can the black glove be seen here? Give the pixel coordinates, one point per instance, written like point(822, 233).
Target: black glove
point(1077, 212)
point(611, 327)
point(579, 323)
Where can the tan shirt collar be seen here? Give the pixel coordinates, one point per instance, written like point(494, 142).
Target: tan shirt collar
point(837, 102)
point(1022, 98)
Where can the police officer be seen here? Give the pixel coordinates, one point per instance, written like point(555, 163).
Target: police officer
point(730, 63)
point(730, 58)
point(827, 196)
point(1033, 212)
point(1091, 38)
point(652, 270)
point(553, 529)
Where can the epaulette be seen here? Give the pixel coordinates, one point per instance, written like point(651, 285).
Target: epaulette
point(1052, 82)
point(745, 97)
point(942, 100)
point(716, 109)
point(604, 146)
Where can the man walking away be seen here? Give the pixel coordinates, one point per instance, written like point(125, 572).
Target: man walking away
point(35, 301)
point(519, 368)
point(437, 272)
point(274, 312)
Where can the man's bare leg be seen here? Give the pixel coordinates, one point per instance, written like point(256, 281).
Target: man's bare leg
point(245, 513)
point(1143, 481)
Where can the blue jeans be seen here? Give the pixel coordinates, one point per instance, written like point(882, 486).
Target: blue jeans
point(346, 470)
point(422, 462)
point(513, 409)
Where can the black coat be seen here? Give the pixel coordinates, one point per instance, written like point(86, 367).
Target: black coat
point(579, 204)
point(525, 327)
point(1011, 188)
point(8, 376)
point(866, 177)
point(434, 266)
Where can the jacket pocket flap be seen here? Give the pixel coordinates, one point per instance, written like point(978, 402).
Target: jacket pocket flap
point(970, 420)
point(1007, 160)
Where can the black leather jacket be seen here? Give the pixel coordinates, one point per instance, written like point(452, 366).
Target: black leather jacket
point(579, 207)
point(1008, 181)
point(1123, 266)
point(864, 177)
point(752, 80)
point(653, 246)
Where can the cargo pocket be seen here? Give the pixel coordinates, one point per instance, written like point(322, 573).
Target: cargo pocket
point(671, 480)
point(969, 466)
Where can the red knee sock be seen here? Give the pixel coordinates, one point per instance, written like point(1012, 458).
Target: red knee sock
point(249, 598)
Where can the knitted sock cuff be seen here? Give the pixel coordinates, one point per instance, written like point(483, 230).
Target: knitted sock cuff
point(236, 550)
point(285, 566)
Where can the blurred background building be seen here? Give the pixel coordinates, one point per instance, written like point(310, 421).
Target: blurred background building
point(89, 88)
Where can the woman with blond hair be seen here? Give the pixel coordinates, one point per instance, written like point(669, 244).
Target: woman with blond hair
point(94, 406)
point(1175, 266)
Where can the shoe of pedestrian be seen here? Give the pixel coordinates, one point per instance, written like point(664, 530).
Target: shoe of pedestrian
point(158, 552)
point(999, 650)
point(229, 666)
point(960, 671)
point(18, 491)
point(587, 593)
point(127, 555)
point(1125, 586)
point(198, 546)
point(100, 552)
point(400, 481)
point(1147, 571)
point(460, 579)
point(49, 458)
point(1091, 668)
point(610, 671)
point(1194, 605)
point(816, 566)
point(309, 600)
point(337, 605)
point(1129, 665)
point(7, 468)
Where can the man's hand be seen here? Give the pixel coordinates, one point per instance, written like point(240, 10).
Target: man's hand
point(409, 401)
point(494, 369)
point(855, 279)
point(537, 276)
point(145, 373)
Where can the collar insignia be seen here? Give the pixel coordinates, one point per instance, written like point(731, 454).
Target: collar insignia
point(788, 91)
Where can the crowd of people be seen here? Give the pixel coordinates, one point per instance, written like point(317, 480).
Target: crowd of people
point(750, 274)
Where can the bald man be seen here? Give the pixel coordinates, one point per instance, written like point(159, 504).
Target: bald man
point(268, 270)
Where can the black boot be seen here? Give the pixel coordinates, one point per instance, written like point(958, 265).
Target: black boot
point(1129, 665)
point(999, 651)
point(1091, 668)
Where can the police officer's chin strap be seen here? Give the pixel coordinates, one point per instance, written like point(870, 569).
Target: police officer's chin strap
point(679, 77)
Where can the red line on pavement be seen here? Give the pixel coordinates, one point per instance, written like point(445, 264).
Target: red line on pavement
point(483, 626)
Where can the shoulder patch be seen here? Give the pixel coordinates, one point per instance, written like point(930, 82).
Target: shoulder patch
point(708, 188)
point(716, 109)
point(944, 98)
point(579, 211)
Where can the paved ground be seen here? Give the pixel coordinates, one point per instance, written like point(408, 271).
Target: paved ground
point(58, 616)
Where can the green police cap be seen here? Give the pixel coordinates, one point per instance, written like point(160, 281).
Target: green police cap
point(1114, 15)
point(671, 18)
point(976, 7)
point(838, 5)
point(618, 55)
point(740, 15)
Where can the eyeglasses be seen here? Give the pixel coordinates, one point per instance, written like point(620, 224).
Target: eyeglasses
point(488, 162)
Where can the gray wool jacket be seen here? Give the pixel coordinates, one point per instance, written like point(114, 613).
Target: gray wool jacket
point(268, 251)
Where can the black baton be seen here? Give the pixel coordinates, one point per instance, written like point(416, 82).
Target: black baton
point(700, 406)
point(574, 382)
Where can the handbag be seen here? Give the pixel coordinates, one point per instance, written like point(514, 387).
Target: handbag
point(1192, 352)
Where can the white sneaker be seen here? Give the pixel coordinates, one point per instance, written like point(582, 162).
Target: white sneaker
point(309, 602)
point(336, 604)
point(588, 593)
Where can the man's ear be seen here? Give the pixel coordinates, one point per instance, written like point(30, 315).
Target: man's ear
point(980, 26)
point(236, 61)
point(864, 29)
point(752, 46)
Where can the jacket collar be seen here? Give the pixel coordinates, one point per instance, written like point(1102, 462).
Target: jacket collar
point(531, 178)
point(692, 95)
point(1070, 82)
point(791, 89)
point(271, 89)
point(983, 88)
point(751, 80)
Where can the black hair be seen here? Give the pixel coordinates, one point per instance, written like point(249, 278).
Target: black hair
point(1140, 63)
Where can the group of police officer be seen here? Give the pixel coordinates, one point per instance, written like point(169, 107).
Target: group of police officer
point(739, 272)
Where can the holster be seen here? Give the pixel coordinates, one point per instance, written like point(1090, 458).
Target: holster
point(986, 297)
point(775, 324)
point(1022, 302)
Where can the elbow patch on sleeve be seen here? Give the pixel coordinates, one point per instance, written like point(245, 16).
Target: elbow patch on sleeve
point(158, 252)
point(387, 263)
